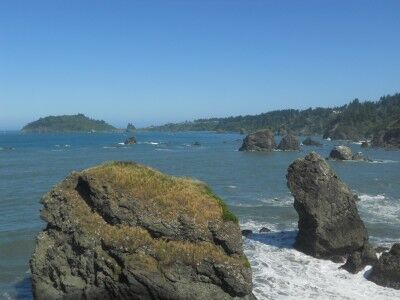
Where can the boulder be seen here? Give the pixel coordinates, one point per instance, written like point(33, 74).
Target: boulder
point(341, 153)
point(358, 260)
point(124, 231)
point(262, 140)
point(130, 141)
point(329, 224)
point(289, 143)
point(310, 142)
point(386, 271)
point(364, 144)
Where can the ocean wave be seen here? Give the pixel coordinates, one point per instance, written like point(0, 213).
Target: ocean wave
point(281, 201)
point(281, 272)
point(380, 209)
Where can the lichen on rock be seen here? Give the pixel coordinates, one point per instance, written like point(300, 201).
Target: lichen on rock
point(125, 231)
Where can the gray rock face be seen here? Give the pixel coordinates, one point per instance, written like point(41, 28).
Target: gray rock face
point(262, 140)
point(341, 153)
point(124, 231)
point(130, 141)
point(329, 223)
point(388, 139)
point(310, 142)
point(387, 271)
point(289, 143)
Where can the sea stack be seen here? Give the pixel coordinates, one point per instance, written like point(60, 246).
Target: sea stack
point(329, 224)
point(124, 231)
point(289, 143)
point(262, 140)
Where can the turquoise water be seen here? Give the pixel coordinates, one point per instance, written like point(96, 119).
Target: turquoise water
point(253, 184)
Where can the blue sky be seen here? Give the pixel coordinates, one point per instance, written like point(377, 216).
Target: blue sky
point(150, 62)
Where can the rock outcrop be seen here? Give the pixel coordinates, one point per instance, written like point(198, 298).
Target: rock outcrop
point(130, 141)
point(329, 224)
point(386, 271)
point(388, 139)
point(289, 143)
point(341, 153)
point(125, 231)
point(310, 142)
point(262, 140)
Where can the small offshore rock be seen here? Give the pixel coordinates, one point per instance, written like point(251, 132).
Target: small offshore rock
point(262, 140)
point(341, 153)
point(386, 272)
point(310, 142)
point(130, 141)
point(365, 144)
point(329, 223)
point(289, 143)
point(265, 230)
point(196, 144)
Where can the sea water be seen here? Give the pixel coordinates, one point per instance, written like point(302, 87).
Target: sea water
point(253, 184)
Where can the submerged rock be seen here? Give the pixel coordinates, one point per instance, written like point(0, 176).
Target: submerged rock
point(289, 142)
point(130, 141)
point(329, 223)
point(196, 144)
point(310, 142)
point(125, 231)
point(247, 232)
point(386, 271)
point(262, 140)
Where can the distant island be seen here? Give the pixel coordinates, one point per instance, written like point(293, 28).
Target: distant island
point(68, 123)
point(354, 121)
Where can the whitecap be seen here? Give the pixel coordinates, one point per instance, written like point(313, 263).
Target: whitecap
point(281, 272)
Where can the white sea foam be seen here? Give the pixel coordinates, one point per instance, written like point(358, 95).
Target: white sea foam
point(281, 202)
point(232, 186)
point(380, 208)
point(121, 143)
point(280, 272)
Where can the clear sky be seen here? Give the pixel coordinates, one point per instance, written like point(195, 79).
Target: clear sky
point(150, 62)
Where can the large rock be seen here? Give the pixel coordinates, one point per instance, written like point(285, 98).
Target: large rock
point(310, 142)
point(125, 231)
point(341, 153)
point(329, 224)
point(387, 271)
point(262, 140)
point(289, 142)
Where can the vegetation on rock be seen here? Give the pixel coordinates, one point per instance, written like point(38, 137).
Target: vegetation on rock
point(68, 123)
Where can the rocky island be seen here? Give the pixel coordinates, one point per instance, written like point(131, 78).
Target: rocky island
point(124, 231)
point(68, 123)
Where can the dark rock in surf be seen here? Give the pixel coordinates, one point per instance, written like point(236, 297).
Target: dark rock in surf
point(386, 272)
point(262, 140)
point(247, 232)
point(196, 144)
point(358, 260)
point(329, 223)
point(365, 144)
point(310, 142)
point(265, 230)
point(289, 143)
point(125, 231)
point(130, 141)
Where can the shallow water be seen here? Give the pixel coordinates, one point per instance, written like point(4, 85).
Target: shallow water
point(253, 184)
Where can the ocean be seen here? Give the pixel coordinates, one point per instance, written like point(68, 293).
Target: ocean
point(253, 185)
